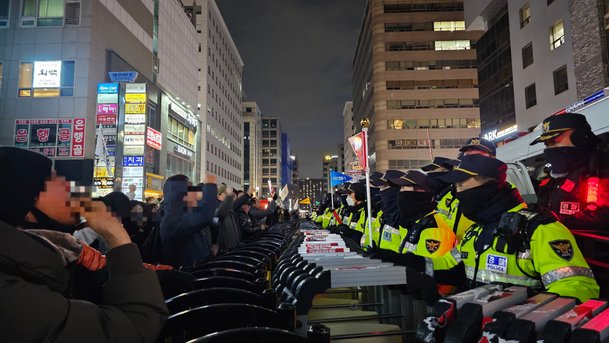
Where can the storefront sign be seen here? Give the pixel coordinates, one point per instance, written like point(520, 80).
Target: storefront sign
point(135, 140)
point(183, 151)
point(133, 171)
point(493, 135)
point(133, 161)
point(119, 76)
point(135, 108)
point(107, 88)
point(135, 88)
point(190, 119)
point(135, 118)
point(135, 98)
point(103, 182)
point(154, 181)
point(106, 119)
point(107, 108)
point(47, 74)
point(135, 129)
point(136, 150)
point(107, 98)
point(51, 137)
point(154, 139)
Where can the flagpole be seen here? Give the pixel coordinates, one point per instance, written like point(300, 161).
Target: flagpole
point(331, 189)
point(365, 122)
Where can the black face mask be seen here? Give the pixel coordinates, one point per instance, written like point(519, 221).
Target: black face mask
point(414, 204)
point(389, 196)
point(45, 222)
point(438, 185)
point(474, 200)
point(565, 159)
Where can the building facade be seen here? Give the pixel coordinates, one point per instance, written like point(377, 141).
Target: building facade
point(252, 146)
point(348, 131)
point(312, 188)
point(329, 162)
point(415, 78)
point(57, 96)
point(220, 89)
point(271, 153)
point(559, 53)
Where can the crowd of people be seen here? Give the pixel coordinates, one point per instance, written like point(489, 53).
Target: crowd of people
point(72, 266)
point(461, 224)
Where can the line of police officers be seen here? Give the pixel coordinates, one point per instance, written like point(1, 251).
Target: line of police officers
point(462, 224)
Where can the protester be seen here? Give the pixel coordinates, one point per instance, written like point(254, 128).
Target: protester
point(34, 280)
point(187, 211)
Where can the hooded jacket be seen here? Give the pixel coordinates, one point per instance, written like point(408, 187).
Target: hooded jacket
point(182, 231)
point(33, 307)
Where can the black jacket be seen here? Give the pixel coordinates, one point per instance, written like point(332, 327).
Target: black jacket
point(33, 307)
point(229, 234)
point(566, 196)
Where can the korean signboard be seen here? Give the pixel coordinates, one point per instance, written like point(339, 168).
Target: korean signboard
point(136, 137)
point(47, 74)
point(105, 140)
point(135, 129)
point(107, 108)
point(136, 150)
point(107, 88)
point(135, 98)
point(154, 139)
point(135, 108)
point(107, 98)
point(135, 118)
point(51, 137)
point(134, 140)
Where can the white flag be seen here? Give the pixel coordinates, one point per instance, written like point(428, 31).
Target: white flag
point(101, 151)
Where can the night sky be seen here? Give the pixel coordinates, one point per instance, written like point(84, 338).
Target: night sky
point(298, 66)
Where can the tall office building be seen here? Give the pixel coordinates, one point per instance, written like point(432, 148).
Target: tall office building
point(559, 54)
point(271, 153)
point(220, 91)
point(329, 162)
point(348, 131)
point(415, 78)
point(312, 188)
point(289, 164)
point(56, 93)
point(252, 145)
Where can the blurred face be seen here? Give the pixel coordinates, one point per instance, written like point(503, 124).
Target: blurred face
point(136, 213)
point(246, 208)
point(56, 201)
point(469, 152)
point(132, 188)
point(562, 140)
point(192, 198)
point(468, 184)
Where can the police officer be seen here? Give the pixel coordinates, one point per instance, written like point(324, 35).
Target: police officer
point(508, 242)
point(356, 199)
point(578, 187)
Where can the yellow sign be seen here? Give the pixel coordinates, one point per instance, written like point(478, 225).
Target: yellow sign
point(135, 108)
point(102, 172)
point(305, 201)
point(135, 98)
point(154, 181)
point(152, 193)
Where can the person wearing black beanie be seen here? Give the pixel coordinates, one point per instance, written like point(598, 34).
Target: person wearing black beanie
point(35, 299)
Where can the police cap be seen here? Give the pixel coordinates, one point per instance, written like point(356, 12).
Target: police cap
point(474, 165)
point(414, 178)
point(359, 190)
point(554, 125)
point(439, 162)
point(481, 144)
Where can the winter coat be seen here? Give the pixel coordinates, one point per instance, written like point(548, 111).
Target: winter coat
point(33, 307)
point(229, 234)
point(183, 231)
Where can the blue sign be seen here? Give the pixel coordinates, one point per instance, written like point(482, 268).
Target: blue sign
point(133, 161)
point(337, 178)
point(107, 88)
point(118, 76)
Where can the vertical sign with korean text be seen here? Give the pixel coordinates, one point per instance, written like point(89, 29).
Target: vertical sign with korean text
point(105, 139)
point(137, 136)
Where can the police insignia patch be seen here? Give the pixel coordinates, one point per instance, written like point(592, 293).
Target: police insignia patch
point(563, 249)
point(448, 201)
point(546, 126)
point(475, 141)
point(432, 245)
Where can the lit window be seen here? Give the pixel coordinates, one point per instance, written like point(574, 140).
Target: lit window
point(44, 79)
point(525, 15)
point(452, 44)
point(557, 35)
point(449, 26)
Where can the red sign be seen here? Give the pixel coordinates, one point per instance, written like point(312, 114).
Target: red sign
point(358, 143)
point(107, 108)
point(154, 139)
point(78, 137)
point(106, 119)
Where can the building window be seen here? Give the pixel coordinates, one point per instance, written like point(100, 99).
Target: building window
point(527, 55)
point(5, 6)
point(530, 96)
point(42, 13)
point(430, 65)
point(181, 134)
point(452, 44)
point(561, 82)
point(525, 15)
point(557, 35)
point(432, 84)
point(449, 26)
point(432, 103)
point(46, 79)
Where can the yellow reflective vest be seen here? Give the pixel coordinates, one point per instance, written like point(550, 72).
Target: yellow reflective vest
point(552, 260)
point(376, 230)
point(448, 208)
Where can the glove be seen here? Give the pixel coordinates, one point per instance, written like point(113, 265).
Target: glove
point(422, 286)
